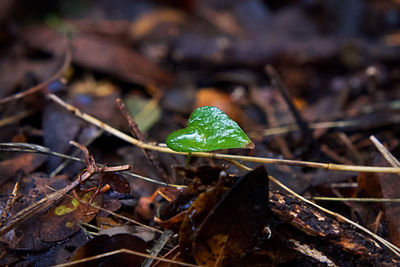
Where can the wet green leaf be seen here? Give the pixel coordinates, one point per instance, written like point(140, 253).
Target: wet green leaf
point(208, 129)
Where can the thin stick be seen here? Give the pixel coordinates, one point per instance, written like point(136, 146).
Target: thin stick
point(134, 141)
point(87, 224)
point(151, 157)
point(344, 185)
point(127, 219)
point(124, 250)
point(33, 148)
point(45, 84)
point(386, 153)
point(346, 140)
point(355, 199)
point(277, 82)
point(65, 163)
point(273, 122)
point(313, 125)
point(336, 124)
point(333, 155)
point(161, 242)
point(10, 202)
point(16, 117)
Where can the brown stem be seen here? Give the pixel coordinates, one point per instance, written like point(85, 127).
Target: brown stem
point(151, 157)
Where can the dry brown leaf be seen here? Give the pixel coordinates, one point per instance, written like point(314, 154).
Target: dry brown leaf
point(101, 54)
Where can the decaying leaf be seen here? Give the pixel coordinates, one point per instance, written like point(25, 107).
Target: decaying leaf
point(169, 193)
point(62, 220)
point(221, 100)
point(24, 162)
point(146, 23)
point(389, 184)
point(199, 209)
point(99, 53)
point(202, 179)
point(138, 231)
point(34, 188)
point(145, 113)
point(117, 182)
point(229, 231)
point(59, 128)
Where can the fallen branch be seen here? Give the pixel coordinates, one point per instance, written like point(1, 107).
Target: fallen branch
point(389, 245)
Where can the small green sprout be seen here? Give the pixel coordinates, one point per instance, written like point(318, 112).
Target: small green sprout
point(208, 129)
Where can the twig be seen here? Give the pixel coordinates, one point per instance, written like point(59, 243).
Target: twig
point(169, 254)
point(326, 125)
point(33, 148)
point(377, 222)
point(85, 231)
point(277, 82)
point(164, 238)
point(83, 223)
point(16, 117)
point(124, 250)
point(386, 154)
point(75, 153)
point(314, 125)
point(367, 109)
point(45, 84)
point(10, 202)
point(152, 180)
point(348, 143)
point(344, 185)
point(151, 157)
point(354, 199)
point(272, 122)
point(333, 155)
point(134, 141)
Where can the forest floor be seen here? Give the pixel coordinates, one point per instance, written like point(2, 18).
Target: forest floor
point(90, 91)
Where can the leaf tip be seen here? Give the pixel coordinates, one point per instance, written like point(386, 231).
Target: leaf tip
point(250, 145)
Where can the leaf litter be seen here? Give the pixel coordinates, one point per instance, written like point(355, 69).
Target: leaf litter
point(334, 82)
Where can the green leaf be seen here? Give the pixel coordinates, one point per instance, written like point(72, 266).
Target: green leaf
point(208, 129)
